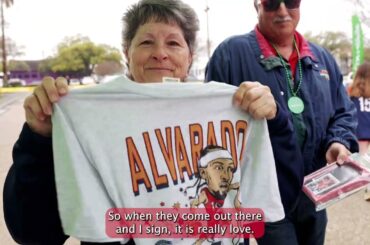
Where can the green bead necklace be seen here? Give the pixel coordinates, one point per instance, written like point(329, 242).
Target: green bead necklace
point(295, 104)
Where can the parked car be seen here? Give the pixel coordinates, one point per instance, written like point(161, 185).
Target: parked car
point(88, 80)
point(75, 81)
point(16, 82)
point(34, 83)
point(107, 78)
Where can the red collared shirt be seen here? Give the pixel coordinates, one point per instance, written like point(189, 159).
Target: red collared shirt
point(268, 50)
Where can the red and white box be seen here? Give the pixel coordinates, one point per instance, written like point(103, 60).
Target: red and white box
point(335, 182)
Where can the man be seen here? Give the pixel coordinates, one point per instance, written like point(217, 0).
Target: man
point(308, 91)
point(216, 168)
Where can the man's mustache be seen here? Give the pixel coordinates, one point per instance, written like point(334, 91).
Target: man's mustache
point(282, 19)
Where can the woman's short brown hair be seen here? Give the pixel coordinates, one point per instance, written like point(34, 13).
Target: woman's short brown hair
point(167, 11)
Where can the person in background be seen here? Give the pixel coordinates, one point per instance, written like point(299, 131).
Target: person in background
point(307, 86)
point(159, 39)
point(360, 96)
point(68, 79)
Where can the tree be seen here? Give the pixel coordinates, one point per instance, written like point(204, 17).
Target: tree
point(362, 10)
point(7, 3)
point(77, 56)
point(108, 68)
point(339, 44)
point(336, 42)
point(11, 48)
point(18, 65)
point(45, 66)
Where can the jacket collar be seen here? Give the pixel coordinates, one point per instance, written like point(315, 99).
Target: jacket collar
point(267, 56)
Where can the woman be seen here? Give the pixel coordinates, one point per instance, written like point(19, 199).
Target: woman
point(360, 95)
point(158, 41)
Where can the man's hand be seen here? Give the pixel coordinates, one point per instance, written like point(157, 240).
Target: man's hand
point(38, 106)
point(337, 153)
point(256, 99)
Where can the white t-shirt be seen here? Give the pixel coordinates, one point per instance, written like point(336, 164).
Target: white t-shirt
point(112, 142)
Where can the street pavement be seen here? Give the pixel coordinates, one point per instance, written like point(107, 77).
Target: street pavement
point(349, 220)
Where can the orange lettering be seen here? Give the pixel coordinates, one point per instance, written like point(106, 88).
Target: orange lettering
point(196, 144)
point(241, 130)
point(181, 155)
point(211, 136)
point(228, 129)
point(160, 181)
point(167, 152)
point(138, 173)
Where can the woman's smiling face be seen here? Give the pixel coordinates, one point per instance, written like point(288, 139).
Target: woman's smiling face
point(158, 50)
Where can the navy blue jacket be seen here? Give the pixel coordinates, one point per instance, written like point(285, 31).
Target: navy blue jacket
point(30, 199)
point(363, 115)
point(30, 203)
point(328, 115)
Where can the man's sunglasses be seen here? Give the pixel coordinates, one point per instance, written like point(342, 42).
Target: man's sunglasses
point(273, 5)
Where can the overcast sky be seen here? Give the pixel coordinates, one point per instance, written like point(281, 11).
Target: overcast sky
point(39, 25)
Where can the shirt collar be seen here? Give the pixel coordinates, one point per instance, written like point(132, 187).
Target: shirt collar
point(267, 50)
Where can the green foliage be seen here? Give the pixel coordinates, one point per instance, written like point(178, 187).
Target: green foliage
point(15, 65)
point(335, 42)
point(77, 56)
point(45, 65)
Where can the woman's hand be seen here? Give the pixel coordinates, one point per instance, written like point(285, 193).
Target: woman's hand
point(38, 106)
point(256, 99)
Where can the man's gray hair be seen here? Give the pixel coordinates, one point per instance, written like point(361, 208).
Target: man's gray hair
point(166, 11)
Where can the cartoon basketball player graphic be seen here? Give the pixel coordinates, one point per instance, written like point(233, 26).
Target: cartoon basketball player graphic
point(216, 168)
